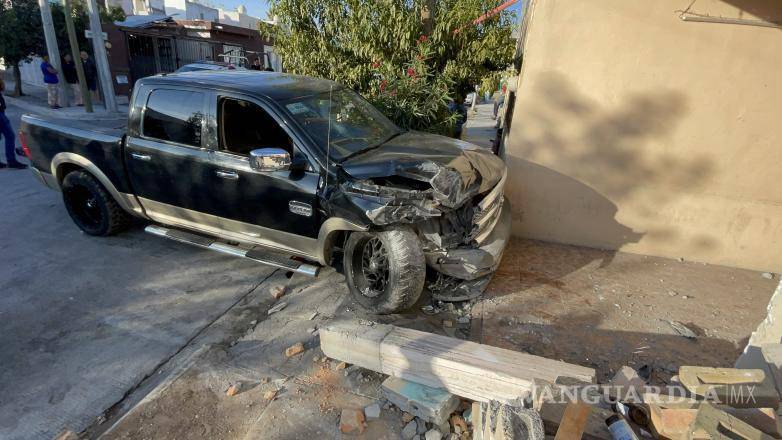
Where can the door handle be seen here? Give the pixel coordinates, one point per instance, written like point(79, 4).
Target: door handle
point(144, 157)
point(227, 174)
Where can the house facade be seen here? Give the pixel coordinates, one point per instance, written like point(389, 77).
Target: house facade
point(651, 127)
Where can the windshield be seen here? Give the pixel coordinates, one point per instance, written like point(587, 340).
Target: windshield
point(355, 124)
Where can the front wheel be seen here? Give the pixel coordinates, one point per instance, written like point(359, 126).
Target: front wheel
point(385, 270)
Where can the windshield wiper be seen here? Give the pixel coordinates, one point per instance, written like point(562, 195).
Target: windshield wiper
point(388, 138)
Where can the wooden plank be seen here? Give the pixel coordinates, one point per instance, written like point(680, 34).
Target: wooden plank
point(739, 388)
point(573, 422)
point(673, 424)
point(595, 428)
point(468, 369)
point(720, 425)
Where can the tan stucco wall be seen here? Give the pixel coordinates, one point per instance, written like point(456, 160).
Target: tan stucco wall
point(635, 130)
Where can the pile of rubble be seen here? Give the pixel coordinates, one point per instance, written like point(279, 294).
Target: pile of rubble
point(447, 388)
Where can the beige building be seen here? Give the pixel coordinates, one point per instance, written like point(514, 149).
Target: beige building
point(652, 127)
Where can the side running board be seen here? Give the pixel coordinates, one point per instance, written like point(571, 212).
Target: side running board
point(264, 257)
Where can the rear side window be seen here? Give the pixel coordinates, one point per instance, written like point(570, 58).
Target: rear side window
point(175, 116)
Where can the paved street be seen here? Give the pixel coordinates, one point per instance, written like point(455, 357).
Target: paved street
point(83, 320)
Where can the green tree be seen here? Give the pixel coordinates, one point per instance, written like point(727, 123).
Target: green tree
point(81, 22)
point(21, 35)
point(380, 48)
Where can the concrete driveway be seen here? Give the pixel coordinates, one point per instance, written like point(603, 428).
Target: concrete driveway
point(84, 320)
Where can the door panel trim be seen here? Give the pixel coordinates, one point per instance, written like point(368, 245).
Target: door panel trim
point(314, 249)
point(227, 228)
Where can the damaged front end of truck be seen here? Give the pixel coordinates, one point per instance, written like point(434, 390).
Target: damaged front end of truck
point(451, 194)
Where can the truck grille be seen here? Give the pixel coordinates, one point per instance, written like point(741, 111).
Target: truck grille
point(487, 211)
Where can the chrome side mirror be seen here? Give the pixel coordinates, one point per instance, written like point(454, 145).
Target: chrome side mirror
point(270, 159)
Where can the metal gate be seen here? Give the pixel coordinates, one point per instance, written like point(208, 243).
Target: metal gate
point(141, 56)
point(149, 55)
point(190, 51)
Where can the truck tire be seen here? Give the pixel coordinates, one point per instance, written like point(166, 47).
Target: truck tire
point(91, 207)
point(385, 270)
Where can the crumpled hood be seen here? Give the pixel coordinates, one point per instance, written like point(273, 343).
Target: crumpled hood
point(455, 169)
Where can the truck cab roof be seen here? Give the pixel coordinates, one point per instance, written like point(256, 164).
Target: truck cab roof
point(272, 85)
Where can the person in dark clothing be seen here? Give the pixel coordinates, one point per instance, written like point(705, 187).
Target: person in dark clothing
point(256, 65)
point(8, 133)
point(69, 72)
point(90, 75)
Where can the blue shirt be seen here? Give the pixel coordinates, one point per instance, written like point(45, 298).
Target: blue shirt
point(48, 77)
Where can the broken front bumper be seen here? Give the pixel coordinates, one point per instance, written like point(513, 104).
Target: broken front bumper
point(473, 263)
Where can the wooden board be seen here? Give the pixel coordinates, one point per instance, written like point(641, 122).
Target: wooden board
point(674, 424)
point(594, 429)
point(468, 369)
point(573, 422)
point(720, 425)
point(739, 388)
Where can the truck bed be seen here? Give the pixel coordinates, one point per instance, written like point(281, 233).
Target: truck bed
point(99, 141)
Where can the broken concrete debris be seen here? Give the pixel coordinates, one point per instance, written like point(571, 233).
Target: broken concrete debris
point(430, 376)
point(498, 421)
point(372, 411)
point(277, 291)
point(277, 307)
point(270, 395)
point(433, 434)
point(294, 349)
point(410, 430)
point(431, 404)
point(233, 389)
point(352, 421)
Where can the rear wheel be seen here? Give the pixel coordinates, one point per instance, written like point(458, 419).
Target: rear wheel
point(91, 207)
point(385, 270)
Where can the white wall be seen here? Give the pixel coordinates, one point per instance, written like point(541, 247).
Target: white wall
point(187, 10)
point(235, 18)
point(31, 72)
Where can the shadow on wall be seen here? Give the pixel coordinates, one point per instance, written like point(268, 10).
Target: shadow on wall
point(604, 155)
point(766, 10)
point(581, 339)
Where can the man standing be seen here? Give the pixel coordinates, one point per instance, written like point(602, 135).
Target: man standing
point(256, 64)
point(51, 80)
point(8, 133)
point(90, 75)
point(69, 72)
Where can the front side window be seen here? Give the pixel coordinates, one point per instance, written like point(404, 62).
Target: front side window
point(174, 116)
point(355, 124)
point(245, 126)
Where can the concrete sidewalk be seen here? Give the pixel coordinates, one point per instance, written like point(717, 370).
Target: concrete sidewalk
point(34, 102)
point(480, 128)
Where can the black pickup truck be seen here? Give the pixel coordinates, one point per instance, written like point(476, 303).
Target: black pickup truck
point(290, 171)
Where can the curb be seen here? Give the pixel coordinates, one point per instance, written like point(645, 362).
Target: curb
point(59, 114)
point(161, 387)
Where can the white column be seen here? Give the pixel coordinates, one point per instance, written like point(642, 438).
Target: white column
point(101, 58)
point(52, 49)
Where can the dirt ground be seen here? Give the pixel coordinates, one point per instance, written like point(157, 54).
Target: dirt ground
point(606, 309)
point(590, 307)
